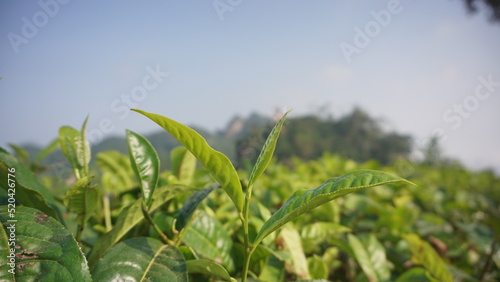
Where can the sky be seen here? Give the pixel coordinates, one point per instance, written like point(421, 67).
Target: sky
point(423, 68)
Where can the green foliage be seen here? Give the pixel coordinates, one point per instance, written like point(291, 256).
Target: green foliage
point(273, 229)
point(141, 259)
point(45, 250)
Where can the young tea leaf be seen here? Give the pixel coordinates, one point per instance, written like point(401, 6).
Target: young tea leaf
point(183, 164)
point(209, 268)
point(81, 198)
point(303, 200)
point(267, 152)
point(83, 148)
point(218, 164)
point(141, 259)
point(68, 137)
point(145, 163)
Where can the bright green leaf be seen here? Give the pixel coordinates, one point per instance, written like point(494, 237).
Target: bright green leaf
point(416, 274)
point(83, 148)
point(68, 138)
point(141, 259)
point(267, 152)
point(116, 168)
point(303, 200)
point(21, 154)
point(183, 164)
point(218, 164)
point(370, 255)
point(45, 250)
point(317, 267)
point(273, 270)
point(291, 239)
point(145, 163)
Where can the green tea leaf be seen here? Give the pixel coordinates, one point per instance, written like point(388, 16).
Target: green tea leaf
point(218, 164)
point(44, 251)
point(370, 255)
point(209, 268)
point(291, 238)
point(131, 216)
point(68, 138)
point(318, 268)
point(267, 152)
point(117, 171)
point(304, 200)
point(183, 164)
point(424, 254)
point(416, 274)
point(145, 163)
point(21, 154)
point(141, 259)
point(273, 270)
point(190, 206)
point(29, 190)
point(83, 148)
point(49, 149)
point(81, 198)
point(207, 237)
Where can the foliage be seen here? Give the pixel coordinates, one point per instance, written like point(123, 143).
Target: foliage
point(125, 218)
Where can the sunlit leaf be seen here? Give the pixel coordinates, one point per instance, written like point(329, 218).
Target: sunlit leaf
point(209, 268)
point(371, 257)
point(267, 152)
point(304, 200)
point(145, 164)
point(218, 164)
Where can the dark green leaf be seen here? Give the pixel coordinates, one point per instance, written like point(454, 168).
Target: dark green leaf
point(218, 164)
point(190, 206)
point(304, 200)
point(416, 274)
point(141, 259)
point(209, 268)
point(209, 239)
point(29, 190)
point(44, 251)
point(145, 163)
point(267, 152)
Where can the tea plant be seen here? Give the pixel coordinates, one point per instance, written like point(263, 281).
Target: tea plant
point(177, 231)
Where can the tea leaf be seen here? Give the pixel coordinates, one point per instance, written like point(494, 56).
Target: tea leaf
point(141, 259)
point(145, 164)
point(218, 164)
point(304, 200)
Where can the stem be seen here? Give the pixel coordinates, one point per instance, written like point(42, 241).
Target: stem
point(79, 231)
point(146, 214)
point(244, 220)
point(107, 213)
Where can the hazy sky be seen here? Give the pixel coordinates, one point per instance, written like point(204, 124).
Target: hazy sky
point(423, 67)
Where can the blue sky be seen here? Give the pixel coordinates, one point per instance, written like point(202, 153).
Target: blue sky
point(429, 67)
